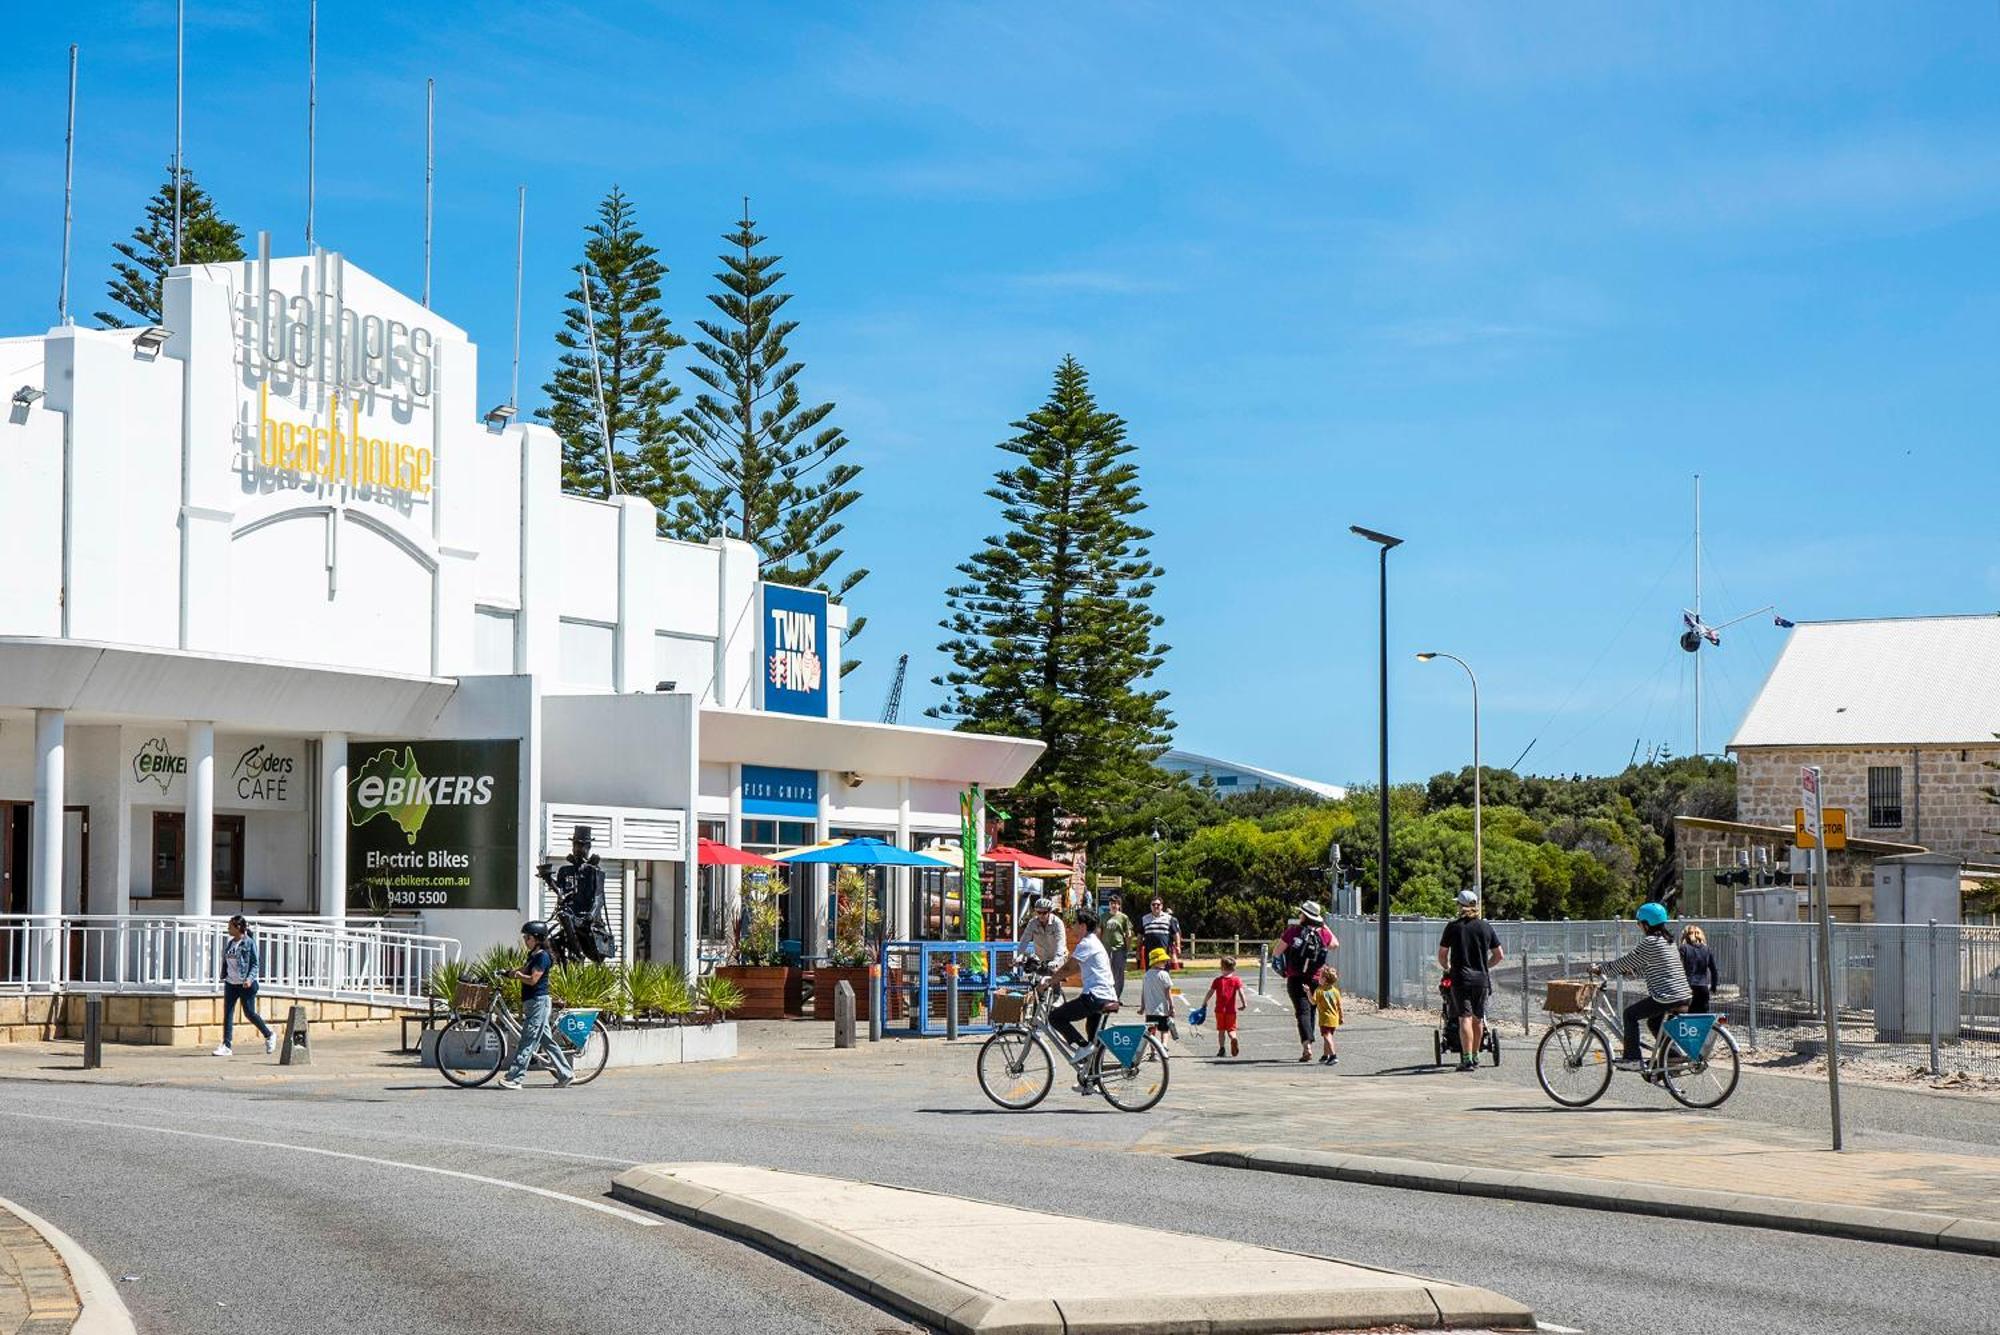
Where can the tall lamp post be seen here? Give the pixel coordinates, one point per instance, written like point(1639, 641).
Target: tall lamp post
point(1478, 823)
point(1385, 542)
point(1156, 862)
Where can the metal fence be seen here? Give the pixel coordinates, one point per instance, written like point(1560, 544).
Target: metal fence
point(182, 956)
point(943, 987)
point(1918, 995)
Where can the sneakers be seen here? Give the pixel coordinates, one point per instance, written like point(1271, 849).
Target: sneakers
point(509, 1082)
point(1628, 1064)
point(1222, 1052)
point(1235, 1048)
point(270, 1043)
point(564, 1082)
point(1468, 1064)
point(223, 1050)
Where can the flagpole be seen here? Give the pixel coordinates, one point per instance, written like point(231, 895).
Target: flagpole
point(180, 84)
point(520, 245)
point(430, 173)
point(312, 112)
point(69, 191)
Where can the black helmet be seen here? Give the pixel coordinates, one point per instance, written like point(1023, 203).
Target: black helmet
point(535, 928)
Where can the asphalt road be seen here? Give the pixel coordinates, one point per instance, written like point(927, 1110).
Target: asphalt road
point(340, 1206)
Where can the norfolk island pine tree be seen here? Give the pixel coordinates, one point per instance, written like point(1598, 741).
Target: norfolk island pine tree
point(206, 238)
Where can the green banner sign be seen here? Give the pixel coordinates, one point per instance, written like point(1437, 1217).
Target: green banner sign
point(969, 886)
point(433, 825)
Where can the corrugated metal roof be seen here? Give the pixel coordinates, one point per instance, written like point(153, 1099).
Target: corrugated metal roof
point(1908, 681)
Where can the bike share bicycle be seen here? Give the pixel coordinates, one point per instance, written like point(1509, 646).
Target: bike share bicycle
point(1017, 1064)
point(481, 1032)
point(1694, 1060)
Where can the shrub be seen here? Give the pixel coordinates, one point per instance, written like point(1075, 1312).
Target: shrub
point(854, 915)
point(586, 985)
point(497, 961)
point(721, 996)
point(657, 991)
point(759, 944)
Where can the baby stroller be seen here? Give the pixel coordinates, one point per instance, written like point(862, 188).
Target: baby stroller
point(1445, 1039)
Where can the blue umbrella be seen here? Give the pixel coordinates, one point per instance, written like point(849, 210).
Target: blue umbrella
point(864, 851)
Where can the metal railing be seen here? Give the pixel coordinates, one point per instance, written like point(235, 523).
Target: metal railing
point(943, 987)
point(182, 956)
point(1921, 995)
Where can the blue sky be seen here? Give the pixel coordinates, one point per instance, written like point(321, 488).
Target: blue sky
point(1496, 279)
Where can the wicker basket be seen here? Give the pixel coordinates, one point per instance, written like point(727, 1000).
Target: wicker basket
point(471, 996)
point(1008, 1007)
point(1570, 996)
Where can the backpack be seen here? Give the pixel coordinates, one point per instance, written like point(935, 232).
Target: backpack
point(1306, 954)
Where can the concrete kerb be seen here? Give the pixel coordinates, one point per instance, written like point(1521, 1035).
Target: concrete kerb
point(954, 1306)
point(102, 1312)
point(1907, 1228)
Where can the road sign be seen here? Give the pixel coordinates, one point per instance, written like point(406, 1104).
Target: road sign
point(1808, 806)
point(1835, 820)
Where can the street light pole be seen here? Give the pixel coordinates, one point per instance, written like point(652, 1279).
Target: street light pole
point(1385, 542)
point(1156, 862)
point(1478, 820)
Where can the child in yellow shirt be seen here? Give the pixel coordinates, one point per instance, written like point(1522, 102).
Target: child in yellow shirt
point(1326, 1003)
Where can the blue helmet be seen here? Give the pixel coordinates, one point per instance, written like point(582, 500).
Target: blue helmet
point(1653, 915)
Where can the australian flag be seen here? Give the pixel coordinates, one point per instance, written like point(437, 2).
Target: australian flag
point(1782, 624)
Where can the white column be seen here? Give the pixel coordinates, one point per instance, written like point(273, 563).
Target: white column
point(821, 929)
point(893, 921)
point(199, 883)
point(332, 826)
point(45, 874)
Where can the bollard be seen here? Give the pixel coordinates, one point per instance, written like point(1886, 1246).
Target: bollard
point(295, 1048)
point(95, 1032)
point(878, 1002)
point(1931, 939)
point(950, 1002)
point(1750, 970)
point(1263, 959)
point(843, 1014)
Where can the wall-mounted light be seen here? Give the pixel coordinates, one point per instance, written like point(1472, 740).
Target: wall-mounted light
point(26, 395)
point(151, 339)
point(498, 416)
point(665, 686)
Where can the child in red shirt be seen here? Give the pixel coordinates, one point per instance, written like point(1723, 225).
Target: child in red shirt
point(1225, 994)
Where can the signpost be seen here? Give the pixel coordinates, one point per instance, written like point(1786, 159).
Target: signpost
point(1811, 825)
point(1834, 819)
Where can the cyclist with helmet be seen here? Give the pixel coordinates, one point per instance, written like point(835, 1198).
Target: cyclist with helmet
point(534, 976)
point(1657, 961)
point(1042, 937)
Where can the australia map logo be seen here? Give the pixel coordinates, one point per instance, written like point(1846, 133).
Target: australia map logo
point(391, 786)
point(154, 763)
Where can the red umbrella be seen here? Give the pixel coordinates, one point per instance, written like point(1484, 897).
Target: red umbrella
point(714, 853)
point(1026, 861)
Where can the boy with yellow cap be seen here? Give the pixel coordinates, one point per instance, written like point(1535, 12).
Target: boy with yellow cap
point(1156, 996)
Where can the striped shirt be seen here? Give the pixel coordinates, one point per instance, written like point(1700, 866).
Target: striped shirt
point(1656, 959)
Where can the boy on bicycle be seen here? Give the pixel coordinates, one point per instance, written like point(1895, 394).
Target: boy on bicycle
point(1098, 993)
point(1667, 990)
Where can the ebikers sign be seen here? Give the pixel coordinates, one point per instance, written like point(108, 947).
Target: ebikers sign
point(433, 825)
point(793, 650)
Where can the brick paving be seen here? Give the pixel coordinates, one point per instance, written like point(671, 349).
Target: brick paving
point(36, 1296)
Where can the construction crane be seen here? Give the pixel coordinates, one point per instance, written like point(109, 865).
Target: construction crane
point(894, 704)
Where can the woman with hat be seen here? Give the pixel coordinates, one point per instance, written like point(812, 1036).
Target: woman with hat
point(1303, 953)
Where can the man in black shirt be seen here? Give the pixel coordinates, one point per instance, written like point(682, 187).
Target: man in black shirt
point(1467, 953)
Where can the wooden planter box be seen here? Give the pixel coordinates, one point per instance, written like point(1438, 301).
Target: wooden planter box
point(827, 977)
point(770, 992)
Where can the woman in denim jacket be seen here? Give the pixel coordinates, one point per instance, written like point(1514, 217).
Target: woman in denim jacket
point(239, 985)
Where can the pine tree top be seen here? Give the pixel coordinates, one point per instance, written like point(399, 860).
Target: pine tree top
point(138, 282)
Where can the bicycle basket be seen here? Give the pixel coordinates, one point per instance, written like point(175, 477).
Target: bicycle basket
point(1570, 996)
point(1008, 1007)
point(471, 996)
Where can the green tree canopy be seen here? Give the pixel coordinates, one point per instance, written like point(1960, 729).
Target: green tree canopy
point(637, 428)
point(137, 280)
point(1052, 626)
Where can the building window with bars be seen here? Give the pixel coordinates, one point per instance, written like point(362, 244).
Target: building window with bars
point(1885, 797)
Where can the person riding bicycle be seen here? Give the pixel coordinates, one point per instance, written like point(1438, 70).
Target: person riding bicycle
point(1042, 936)
point(1099, 993)
point(1667, 990)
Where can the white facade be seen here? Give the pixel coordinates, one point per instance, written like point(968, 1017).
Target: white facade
point(286, 532)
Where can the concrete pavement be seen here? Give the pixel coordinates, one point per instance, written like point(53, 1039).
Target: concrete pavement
point(49, 1285)
point(970, 1266)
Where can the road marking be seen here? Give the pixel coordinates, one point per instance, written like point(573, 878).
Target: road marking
point(616, 1211)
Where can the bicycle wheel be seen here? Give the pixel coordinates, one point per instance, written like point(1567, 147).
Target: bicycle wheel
point(1437, 1047)
point(1015, 1068)
point(1573, 1063)
point(469, 1050)
point(1133, 1088)
point(1706, 1082)
point(586, 1063)
point(1492, 1045)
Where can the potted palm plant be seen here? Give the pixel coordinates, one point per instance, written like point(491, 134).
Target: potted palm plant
point(854, 916)
point(771, 988)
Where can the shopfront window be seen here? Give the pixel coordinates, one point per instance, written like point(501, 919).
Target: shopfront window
point(170, 856)
point(712, 918)
point(768, 835)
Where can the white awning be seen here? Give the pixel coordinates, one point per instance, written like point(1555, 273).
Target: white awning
point(114, 683)
point(795, 742)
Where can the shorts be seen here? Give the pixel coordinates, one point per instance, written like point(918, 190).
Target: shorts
point(1225, 1022)
point(1468, 1000)
point(1328, 1030)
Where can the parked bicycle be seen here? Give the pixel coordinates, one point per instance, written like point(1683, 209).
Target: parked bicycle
point(480, 1034)
point(1017, 1064)
point(1695, 1058)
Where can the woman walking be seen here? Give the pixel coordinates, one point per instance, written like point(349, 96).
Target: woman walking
point(1303, 952)
point(1699, 961)
point(239, 987)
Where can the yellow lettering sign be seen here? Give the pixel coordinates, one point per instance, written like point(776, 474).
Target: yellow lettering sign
point(346, 459)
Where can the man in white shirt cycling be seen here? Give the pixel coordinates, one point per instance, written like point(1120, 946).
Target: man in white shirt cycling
point(1099, 992)
point(1042, 935)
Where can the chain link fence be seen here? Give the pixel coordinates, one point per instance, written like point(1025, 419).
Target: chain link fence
point(1921, 996)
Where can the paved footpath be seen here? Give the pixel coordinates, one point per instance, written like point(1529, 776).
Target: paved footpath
point(36, 1295)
